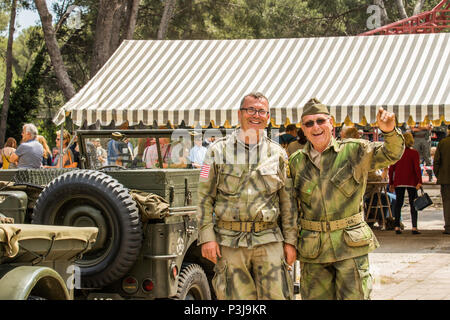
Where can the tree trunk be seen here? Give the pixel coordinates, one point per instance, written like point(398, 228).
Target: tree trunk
point(418, 7)
point(384, 17)
point(169, 6)
point(103, 31)
point(64, 81)
point(132, 12)
point(401, 9)
point(8, 81)
point(117, 26)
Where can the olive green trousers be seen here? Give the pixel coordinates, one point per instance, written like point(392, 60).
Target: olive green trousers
point(342, 280)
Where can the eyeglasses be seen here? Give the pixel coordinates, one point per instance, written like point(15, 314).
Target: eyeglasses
point(310, 123)
point(253, 111)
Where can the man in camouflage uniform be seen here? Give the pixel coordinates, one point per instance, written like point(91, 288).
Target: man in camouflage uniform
point(329, 181)
point(243, 185)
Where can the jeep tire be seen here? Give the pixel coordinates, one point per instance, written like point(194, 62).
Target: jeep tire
point(192, 283)
point(87, 198)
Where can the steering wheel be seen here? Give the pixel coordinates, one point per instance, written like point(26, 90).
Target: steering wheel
point(112, 166)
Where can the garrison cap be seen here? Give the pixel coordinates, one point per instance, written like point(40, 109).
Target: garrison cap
point(314, 106)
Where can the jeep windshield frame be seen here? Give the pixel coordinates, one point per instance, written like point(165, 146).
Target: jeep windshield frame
point(173, 149)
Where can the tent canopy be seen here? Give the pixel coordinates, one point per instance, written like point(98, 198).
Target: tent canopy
point(200, 81)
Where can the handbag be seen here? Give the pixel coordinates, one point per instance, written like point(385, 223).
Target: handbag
point(422, 201)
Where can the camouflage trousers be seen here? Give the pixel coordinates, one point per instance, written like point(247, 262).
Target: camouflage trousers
point(258, 273)
point(342, 280)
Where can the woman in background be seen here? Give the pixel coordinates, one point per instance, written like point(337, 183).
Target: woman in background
point(9, 148)
point(68, 157)
point(405, 175)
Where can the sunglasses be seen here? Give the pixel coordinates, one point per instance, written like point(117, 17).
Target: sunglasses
point(310, 123)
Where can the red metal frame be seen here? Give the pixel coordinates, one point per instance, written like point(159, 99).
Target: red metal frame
point(433, 21)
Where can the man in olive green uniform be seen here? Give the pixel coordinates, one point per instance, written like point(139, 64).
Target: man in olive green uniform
point(242, 193)
point(329, 181)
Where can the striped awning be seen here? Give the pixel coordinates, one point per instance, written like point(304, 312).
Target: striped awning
point(200, 81)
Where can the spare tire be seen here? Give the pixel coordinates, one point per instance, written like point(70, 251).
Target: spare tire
point(87, 198)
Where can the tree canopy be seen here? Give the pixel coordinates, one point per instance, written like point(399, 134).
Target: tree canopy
point(103, 24)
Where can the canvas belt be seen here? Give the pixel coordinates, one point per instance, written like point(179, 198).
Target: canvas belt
point(332, 225)
point(248, 226)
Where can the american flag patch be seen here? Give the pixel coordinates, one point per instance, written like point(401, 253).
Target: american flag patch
point(204, 172)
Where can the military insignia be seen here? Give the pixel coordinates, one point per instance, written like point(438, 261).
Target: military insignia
point(180, 246)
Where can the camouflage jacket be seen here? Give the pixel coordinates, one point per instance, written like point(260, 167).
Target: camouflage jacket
point(336, 192)
point(238, 183)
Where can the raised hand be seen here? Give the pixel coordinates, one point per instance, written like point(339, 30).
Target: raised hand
point(385, 120)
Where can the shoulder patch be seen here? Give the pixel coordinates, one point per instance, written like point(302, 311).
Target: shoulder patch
point(295, 154)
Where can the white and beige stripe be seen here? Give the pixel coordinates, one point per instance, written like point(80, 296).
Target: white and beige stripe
point(199, 81)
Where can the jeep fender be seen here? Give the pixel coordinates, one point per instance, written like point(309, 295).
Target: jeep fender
point(20, 282)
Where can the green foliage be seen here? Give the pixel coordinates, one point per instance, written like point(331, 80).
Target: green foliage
point(36, 95)
point(4, 21)
point(24, 98)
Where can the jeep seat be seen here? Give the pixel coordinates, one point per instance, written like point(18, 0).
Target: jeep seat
point(35, 243)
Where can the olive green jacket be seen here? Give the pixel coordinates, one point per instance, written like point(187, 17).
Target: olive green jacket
point(441, 162)
point(238, 183)
point(336, 192)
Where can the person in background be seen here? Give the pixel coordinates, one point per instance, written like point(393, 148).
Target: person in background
point(68, 157)
point(289, 136)
point(100, 152)
point(112, 151)
point(7, 151)
point(55, 152)
point(208, 141)
point(29, 154)
point(150, 156)
point(422, 143)
point(197, 152)
point(441, 167)
point(405, 175)
point(47, 157)
point(76, 152)
point(378, 176)
point(350, 133)
point(298, 144)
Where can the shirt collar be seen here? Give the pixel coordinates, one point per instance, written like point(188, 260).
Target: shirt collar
point(309, 149)
point(235, 138)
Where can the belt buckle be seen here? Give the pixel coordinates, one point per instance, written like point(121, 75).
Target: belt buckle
point(327, 225)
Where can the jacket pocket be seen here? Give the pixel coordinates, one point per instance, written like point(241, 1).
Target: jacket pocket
point(305, 192)
point(227, 208)
point(230, 178)
point(345, 180)
point(358, 235)
point(309, 244)
point(220, 281)
point(269, 215)
point(271, 178)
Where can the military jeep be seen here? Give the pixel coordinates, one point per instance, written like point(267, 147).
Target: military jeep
point(141, 195)
point(36, 261)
